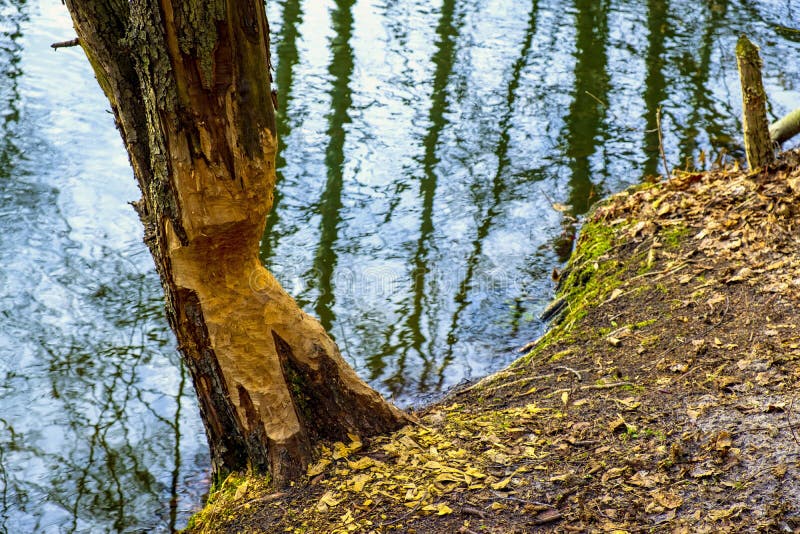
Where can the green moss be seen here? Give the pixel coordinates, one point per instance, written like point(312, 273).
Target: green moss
point(649, 341)
point(643, 324)
point(589, 279)
point(561, 354)
point(674, 236)
point(219, 500)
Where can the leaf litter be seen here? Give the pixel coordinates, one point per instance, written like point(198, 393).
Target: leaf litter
point(661, 400)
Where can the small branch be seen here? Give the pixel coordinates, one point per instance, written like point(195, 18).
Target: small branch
point(66, 44)
point(407, 514)
point(571, 370)
point(784, 129)
point(661, 143)
point(544, 505)
point(266, 498)
point(469, 510)
point(607, 386)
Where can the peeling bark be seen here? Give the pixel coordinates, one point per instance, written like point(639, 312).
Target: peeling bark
point(189, 86)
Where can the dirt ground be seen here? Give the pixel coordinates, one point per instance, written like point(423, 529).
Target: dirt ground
point(663, 399)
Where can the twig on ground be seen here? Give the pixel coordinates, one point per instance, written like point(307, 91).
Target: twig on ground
point(524, 501)
point(405, 515)
point(571, 370)
point(607, 386)
point(469, 510)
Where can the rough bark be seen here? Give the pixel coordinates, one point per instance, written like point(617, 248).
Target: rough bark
point(757, 143)
point(785, 128)
point(189, 86)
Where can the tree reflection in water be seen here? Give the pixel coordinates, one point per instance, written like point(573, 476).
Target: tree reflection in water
point(421, 147)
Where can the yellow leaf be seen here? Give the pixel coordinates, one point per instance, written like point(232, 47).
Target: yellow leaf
point(318, 468)
point(616, 424)
point(474, 473)
point(733, 511)
point(505, 482)
point(240, 491)
point(457, 454)
point(359, 481)
point(448, 477)
point(565, 397)
point(362, 463)
point(412, 493)
point(434, 466)
point(440, 509)
point(443, 509)
point(629, 403)
point(561, 478)
point(533, 409)
point(355, 442)
point(340, 450)
point(328, 500)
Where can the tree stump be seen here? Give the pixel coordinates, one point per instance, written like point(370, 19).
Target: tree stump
point(757, 142)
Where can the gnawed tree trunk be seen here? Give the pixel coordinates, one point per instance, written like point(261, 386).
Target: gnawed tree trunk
point(757, 144)
point(189, 85)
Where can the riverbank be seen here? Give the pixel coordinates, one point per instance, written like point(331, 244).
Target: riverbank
point(663, 399)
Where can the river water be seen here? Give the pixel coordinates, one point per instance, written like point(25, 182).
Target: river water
point(434, 155)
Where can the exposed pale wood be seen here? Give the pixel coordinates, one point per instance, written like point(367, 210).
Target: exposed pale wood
point(757, 143)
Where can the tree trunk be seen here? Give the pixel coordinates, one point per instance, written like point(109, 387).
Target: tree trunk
point(757, 143)
point(189, 86)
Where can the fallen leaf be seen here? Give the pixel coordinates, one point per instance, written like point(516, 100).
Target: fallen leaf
point(241, 491)
point(667, 499)
point(328, 500)
point(716, 515)
point(616, 424)
point(505, 482)
point(723, 441)
point(643, 479)
point(359, 481)
point(318, 468)
point(629, 403)
point(361, 464)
